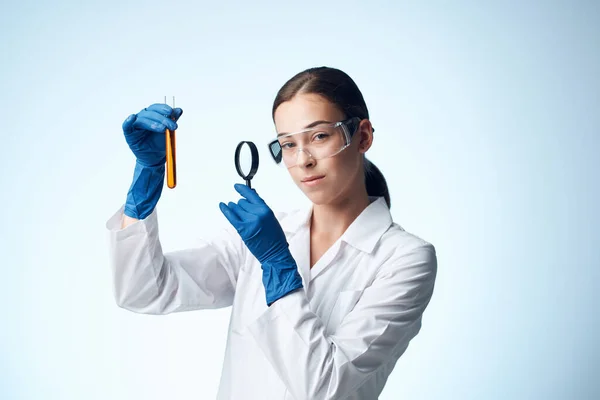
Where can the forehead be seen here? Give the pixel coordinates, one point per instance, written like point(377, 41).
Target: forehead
point(302, 110)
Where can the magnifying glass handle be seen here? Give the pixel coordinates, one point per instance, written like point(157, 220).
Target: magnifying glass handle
point(248, 183)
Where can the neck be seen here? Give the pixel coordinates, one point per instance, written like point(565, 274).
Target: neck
point(332, 220)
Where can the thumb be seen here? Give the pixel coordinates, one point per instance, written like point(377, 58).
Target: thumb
point(176, 113)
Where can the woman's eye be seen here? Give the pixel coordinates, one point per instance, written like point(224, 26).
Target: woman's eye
point(321, 136)
point(287, 145)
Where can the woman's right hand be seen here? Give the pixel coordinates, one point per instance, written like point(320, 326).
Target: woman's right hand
point(145, 133)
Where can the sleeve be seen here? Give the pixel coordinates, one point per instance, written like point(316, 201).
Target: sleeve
point(147, 281)
point(377, 330)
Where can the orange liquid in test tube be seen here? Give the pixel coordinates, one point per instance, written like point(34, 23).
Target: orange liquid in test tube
point(170, 147)
point(171, 168)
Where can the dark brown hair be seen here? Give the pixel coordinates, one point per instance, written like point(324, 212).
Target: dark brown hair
point(337, 87)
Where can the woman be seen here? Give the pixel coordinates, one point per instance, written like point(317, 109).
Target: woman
point(324, 300)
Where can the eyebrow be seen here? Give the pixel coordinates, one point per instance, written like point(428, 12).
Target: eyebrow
point(311, 125)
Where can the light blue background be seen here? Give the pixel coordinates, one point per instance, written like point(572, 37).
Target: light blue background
point(487, 122)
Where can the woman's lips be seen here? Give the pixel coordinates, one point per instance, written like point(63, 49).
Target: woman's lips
point(313, 180)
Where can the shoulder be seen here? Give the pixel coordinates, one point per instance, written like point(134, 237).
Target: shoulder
point(404, 241)
point(405, 251)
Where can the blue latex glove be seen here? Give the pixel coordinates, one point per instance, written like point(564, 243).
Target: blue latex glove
point(260, 230)
point(145, 135)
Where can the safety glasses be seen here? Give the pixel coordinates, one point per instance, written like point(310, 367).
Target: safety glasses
point(319, 142)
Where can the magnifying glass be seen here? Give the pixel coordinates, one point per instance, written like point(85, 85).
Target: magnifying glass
point(246, 161)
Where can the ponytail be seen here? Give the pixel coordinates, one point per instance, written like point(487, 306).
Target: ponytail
point(375, 182)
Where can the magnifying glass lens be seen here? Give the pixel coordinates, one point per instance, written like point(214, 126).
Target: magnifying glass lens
point(245, 159)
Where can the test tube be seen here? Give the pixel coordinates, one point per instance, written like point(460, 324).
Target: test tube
point(170, 147)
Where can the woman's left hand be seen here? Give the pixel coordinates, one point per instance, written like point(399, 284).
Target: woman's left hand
point(261, 232)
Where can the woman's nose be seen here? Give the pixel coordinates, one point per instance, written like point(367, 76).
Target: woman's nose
point(304, 159)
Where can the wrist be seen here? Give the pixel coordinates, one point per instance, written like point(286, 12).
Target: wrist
point(294, 284)
point(280, 276)
point(277, 254)
point(160, 163)
point(145, 190)
point(155, 167)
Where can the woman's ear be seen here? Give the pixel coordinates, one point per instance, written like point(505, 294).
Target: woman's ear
point(365, 134)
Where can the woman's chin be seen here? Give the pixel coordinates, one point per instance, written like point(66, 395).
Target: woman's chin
point(319, 197)
point(318, 194)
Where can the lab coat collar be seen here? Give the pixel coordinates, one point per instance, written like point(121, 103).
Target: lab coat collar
point(363, 233)
point(297, 219)
point(366, 230)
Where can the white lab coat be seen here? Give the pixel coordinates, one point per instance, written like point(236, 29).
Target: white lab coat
point(337, 338)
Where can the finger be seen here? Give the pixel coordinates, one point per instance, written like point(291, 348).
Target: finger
point(250, 207)
point(163, 109)
point(147, 124)
point(128, 123)
point(248, 193)
point(242, 214)
point(158, 117)
point(229, 214)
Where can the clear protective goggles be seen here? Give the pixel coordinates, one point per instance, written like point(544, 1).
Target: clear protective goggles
point(319, 142)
